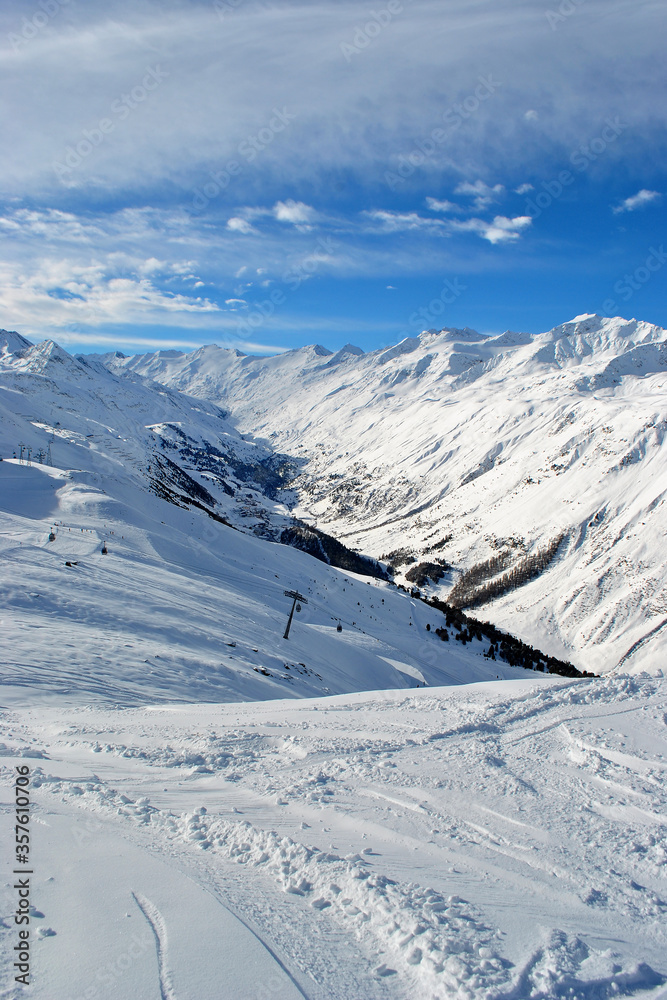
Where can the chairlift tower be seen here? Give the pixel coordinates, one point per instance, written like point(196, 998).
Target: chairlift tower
point(296, 596)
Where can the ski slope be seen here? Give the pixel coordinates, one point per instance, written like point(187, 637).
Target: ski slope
point(499, 840)
point(216, 810)
point(192, 603)
point(498, 444)
point(190, 609)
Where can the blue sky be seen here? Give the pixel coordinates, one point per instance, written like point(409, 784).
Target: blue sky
point(270, 174)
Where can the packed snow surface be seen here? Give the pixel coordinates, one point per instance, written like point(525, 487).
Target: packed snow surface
point(500, 840)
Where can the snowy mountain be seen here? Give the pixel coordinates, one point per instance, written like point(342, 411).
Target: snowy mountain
point(188, 601)
point(514, 459)
point(332, 815)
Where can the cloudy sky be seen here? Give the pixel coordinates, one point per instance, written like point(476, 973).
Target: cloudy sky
point(267, 174)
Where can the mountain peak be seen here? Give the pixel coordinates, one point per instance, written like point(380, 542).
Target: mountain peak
point(50, 350)
point(465, 334)
point(37, 358)
point(12, 342)
point(344, 354)
point(406, 346)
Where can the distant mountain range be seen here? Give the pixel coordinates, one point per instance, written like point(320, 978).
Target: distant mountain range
point(148, 553)
point(526, 471)
point(521, 478)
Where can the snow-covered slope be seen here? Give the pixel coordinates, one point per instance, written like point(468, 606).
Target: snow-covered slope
point(189, 600)
point(134, 433)
point(500, 445)
point(501, 841)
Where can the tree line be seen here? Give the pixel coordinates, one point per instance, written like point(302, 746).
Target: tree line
point(468, 594)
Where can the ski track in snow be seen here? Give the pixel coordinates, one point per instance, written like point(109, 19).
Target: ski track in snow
point(504, 841)
point(159, 929)
point(587, 825)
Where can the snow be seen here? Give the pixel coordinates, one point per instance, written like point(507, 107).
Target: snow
point(494, 840)
point(371, 813)
point(12, 342)
point(196, 605)
point(502, 442)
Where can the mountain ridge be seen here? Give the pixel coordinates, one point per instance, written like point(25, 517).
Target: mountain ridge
point(504, 441)
point(149, 552)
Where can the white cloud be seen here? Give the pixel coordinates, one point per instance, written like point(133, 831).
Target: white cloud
point(531, 116)
point(238, 225)
point(524, 189)
point(124, 341)
point(152, 266)
point(295, 212)
point(482, 194)
point(133, 342)
point(235, 302)
point(501, 230)
point(225, 81)
point(52, 293)
point(636, 201)
point(396, 221)
point(442, 206)
point(49, 224)
point(252, 347)
point(69, 274)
